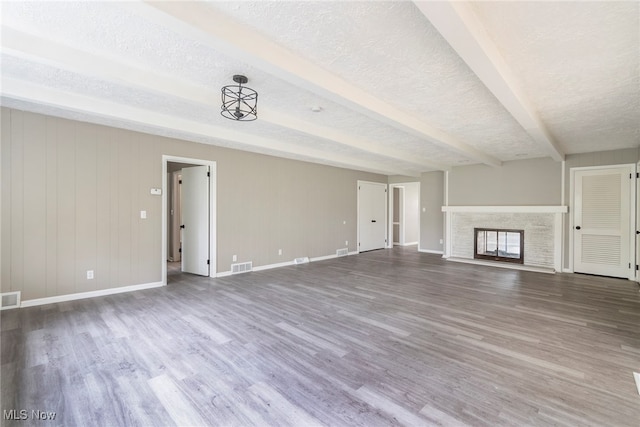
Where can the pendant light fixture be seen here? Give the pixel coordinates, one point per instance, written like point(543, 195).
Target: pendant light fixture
point(239, 102)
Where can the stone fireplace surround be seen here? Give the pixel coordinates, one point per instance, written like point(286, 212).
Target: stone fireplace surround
point(542, 227)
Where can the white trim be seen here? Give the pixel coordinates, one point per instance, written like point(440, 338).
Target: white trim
point(323, 258)
point(506, 209)
point(636, 377)
point(446, 188)
point(408, 244)
point(286, 264)
point(570, 230)
point(270, 266)
point(637, 219)
point(567, 270)
point(212, 210)
point(429, 251)
point(90, 294)
point(564, 219)
point(507, 265)
point(224, 274)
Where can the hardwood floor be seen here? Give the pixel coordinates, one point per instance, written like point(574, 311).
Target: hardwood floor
point(390, 337)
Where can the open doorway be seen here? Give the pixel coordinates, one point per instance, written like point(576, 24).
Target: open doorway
point(404, 209)
point(188, 217)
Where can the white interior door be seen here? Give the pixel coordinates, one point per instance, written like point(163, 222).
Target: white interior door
point(372, 216)
point(195, 220)
point(603, 221)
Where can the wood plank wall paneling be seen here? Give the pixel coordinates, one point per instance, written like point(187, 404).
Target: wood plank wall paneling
point(34, 216)
point(85, 206)
point(66, 211)
point(104, 198)
point(17, 200)
point(5, 205)
point(51, 208)
point(72, 193)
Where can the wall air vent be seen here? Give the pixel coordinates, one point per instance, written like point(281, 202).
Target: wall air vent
point(10, 300)
point(303, 260)
point(241, 267)
point(342, 252)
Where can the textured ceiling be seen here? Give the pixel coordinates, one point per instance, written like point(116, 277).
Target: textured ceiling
point(404, 87)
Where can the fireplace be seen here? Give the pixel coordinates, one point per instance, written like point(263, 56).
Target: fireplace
point(497, 244)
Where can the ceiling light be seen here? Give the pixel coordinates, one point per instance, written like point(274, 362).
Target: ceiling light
point(239, 103)
point(316, 109)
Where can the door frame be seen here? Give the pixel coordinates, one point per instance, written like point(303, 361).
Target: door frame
point(212, 210)
point(401, 222)
point(632, 214)
point(386, 211)
point(637, 228)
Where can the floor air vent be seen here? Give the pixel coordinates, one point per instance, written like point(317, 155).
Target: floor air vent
point(302, 260)
point(10, 300)
point(241, 267)
point(342, 252)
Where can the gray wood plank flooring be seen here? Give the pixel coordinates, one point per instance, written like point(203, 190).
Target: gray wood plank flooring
point(389, 337)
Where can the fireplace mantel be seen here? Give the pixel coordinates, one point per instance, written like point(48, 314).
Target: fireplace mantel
point(545, 222)
point(507, 209)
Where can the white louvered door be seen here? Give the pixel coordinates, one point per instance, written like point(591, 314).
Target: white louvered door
point(602, 221)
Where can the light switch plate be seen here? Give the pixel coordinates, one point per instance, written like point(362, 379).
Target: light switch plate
point(156, 191)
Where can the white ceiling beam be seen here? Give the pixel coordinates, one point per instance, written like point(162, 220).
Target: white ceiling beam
point(21, 90)
point(202, 22)
point(37, 48)
point(460, 27)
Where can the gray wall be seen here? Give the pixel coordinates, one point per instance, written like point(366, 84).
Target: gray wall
point(517, 183)
point(432, 219)
point(72, 193)
point(601, 158)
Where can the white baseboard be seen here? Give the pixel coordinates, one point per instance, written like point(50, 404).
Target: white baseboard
point(270, 266)
point(567, 270)
point(507, 265)
point(408, 244)
point(224, 273)
point(90, 294)
point(284, 264)
point(323, 258)
point(429, 251)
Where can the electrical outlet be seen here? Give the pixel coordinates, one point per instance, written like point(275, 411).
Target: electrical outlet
point(279, 251)
point(346, 243)
point(234, 258)
point(441, 241)
point(89, 274)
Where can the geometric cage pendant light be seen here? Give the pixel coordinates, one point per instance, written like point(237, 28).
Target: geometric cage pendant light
point(239, 102)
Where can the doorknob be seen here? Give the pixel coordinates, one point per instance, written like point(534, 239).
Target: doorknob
point(373, 220)
point(182, 226)
point(577, 227)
